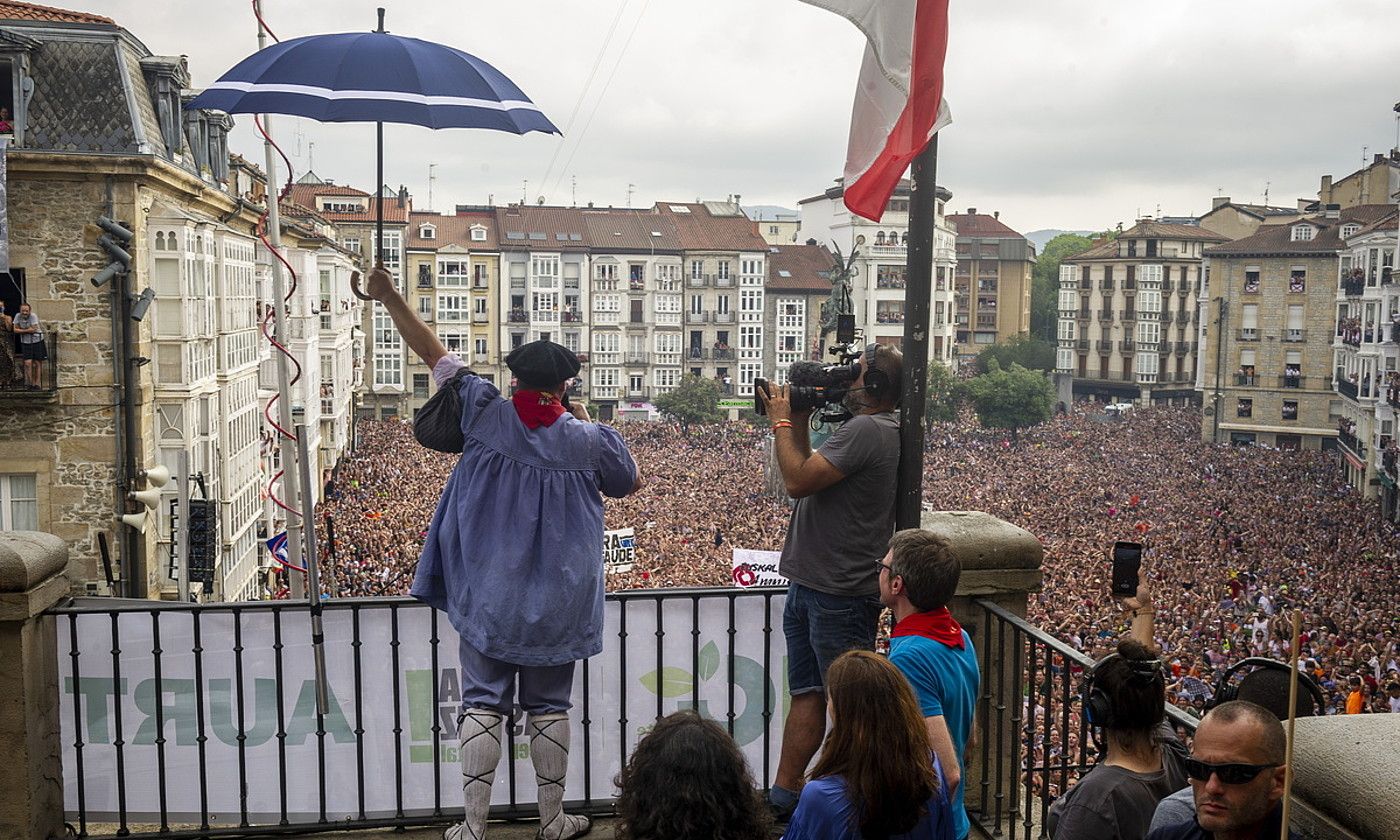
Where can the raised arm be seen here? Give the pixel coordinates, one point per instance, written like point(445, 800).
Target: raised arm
point(420, 337)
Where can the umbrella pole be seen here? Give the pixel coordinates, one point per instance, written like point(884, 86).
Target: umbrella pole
point(291, 486)
point(379, 190)
point(313, 581)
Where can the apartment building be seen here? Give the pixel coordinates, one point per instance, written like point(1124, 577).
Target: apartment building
point(353, 213)
point(1366, 364)
point(1128, 328)
point(454, 266)
point(103, 131)
point(799, 282)
point(1270, 310)
point(878, 287)
point(992, 281)
point(1235, 220)
point(1376, 182)
point(777, 225)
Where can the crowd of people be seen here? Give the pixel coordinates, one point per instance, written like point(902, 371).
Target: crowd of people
point(1236, 537)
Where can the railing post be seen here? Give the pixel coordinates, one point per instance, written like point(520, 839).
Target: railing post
point(1001, 564)
point(33, 577)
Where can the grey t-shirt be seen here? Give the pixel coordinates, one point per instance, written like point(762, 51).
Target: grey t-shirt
point(836, 535)
point(27, 321)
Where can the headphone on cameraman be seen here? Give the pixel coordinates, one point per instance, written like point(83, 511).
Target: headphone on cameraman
point(1095, 705)
point(878, 384)
point(1224, 692)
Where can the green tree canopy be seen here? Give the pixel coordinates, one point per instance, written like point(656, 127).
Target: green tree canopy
point(944, 393)
point(1045, 281)
point(694, 400)
point(1012, 398)
point(1023, 350)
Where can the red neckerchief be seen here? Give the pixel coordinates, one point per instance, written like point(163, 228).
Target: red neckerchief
point(938, 625)
point(536, 408)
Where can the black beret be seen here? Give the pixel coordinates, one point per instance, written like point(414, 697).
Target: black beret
point(542, 364)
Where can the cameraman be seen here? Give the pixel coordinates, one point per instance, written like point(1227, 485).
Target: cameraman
point(838, 533)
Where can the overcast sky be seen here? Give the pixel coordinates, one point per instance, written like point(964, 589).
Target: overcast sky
point(1071, 114)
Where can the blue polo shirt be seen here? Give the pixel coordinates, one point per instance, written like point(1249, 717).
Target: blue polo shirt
point(945, 681)
point(514, 554)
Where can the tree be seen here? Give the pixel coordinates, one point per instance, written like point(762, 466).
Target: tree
point(1011, 399)
point(944, 393)
point(1045, 281)
point(694, 400)
point(1023, 350)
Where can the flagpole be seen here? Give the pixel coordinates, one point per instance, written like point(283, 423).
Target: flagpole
point(918, 290)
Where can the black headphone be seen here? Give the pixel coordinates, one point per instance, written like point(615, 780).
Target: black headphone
point(1224, 692)
point(1095, 705)
point(878, 384)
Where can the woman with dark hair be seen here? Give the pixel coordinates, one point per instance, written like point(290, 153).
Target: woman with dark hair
point(877, 777)
point(687, 780)
point(1141, 760)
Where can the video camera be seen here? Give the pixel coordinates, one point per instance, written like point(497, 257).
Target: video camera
point(813, 386)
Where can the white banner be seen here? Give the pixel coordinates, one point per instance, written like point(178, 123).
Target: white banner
point(619, 550)
point(644, 671)
point(751, 567)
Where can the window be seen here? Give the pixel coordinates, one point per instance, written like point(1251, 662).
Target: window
point(1297, 280)
point(722, 271)
point(1294, 329)
point(722, 304)
point(1290, 409)
point(697, 269)
point(427, 232)
point(667, 377)
point(479, 348)
point(351, 244)
point(425, 307)
point(420, 384)
point(452, 307)
point(478, 233)
point(772, 230)
point(1251, 279)
point(1249, 322)
point(1349, 229)
point(1245, 408)
point(19, 503)
point(1303, 233)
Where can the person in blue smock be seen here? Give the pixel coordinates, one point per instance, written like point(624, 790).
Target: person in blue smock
point(876, 777)
point(514, 557)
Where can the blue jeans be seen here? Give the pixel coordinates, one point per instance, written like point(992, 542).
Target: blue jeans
point(820, 627)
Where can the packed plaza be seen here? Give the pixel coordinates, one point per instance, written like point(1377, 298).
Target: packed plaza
point(1237, 536)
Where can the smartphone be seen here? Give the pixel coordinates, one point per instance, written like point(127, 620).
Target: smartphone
point(1127, 559)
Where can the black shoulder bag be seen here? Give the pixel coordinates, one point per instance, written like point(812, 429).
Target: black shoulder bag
point(438, 424)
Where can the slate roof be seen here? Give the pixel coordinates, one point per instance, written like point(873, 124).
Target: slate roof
point(33, 11)
point(620, 229)
point(452, 230)
point(1277, 240)
point(1146, 229)
point(981, 226)
point(701, 230)
point(799, 268)
point(528, 227)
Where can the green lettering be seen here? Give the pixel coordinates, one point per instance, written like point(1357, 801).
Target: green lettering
point(175, 704)
point(303, 721)
point(225, 723)
point(419, 684)
point(96, 692)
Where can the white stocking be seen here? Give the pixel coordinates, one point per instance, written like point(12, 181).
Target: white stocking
point(479, 741)
point(549, 750)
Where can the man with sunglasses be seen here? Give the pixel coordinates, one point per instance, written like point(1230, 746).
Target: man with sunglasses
point(1236, 770)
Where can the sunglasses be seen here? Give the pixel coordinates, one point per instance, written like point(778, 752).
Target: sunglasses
point(1230, 774)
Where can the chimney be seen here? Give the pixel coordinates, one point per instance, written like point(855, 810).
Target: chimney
point(1379, 158)
point(737, 197)
point(996, 214)
point(972, 211)
point(1219, 201)
point(811, 241)
point(1324, 192)
point(1334, 211)
point(403, 196)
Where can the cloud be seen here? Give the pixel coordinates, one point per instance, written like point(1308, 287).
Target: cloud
point(1067, 113)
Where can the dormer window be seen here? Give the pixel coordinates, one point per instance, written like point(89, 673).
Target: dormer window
point(427, 232)
point(478, 233)
point(1303, 233)
point(1349, 230)
point(166, 77)
point(16, 87)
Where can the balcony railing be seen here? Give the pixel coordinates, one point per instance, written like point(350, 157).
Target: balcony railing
point(1249, 334)
point(1081, 344)
point(1246, 379)
point(1353, 288)
point(1104, 314)
point(635, 358)
point(1287, 381)
point(724, 354)
point(697, 317)
point(1083, 313)
point(1128, 314)
point(697, 282)
point(518, 316)
point(724, 282)
point(1347, 389)
point(641, 393)
point(1127, 346)
point(20, 388)
point(1352, 442)
point(1104, 346)
point(697, 354)
point(724, 317)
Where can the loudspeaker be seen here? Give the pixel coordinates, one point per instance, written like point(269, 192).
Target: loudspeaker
point(150, 497)
point(156, 476)
point(136, 520)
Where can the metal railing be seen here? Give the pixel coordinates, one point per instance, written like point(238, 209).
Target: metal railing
point(1031, 686)
point(20, 388)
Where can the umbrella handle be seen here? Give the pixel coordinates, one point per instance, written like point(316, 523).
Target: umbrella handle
point(355, 286)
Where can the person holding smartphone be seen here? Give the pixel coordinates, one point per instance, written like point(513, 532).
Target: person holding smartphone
point(1140, 759)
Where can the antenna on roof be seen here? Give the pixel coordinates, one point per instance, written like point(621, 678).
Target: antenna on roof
point(1267, 184)
point(525, 191)
point(431, 179)
point(573, 190)
point(630, 188)
point(310, 153)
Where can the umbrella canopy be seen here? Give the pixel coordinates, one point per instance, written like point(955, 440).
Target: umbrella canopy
point(374, 77)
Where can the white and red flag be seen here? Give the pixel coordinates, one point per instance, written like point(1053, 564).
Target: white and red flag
point(899, 97)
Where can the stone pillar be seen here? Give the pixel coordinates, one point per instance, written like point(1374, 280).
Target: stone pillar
point(1345, 768)
point(1000, 564)
point(33, 577)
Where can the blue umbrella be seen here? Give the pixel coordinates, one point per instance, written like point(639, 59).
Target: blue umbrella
point(375, 77)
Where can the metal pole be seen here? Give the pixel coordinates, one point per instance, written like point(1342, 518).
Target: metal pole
point(1219, 361)
point(313, 577)
point(181, 548)
point(923, 205)
point(291, 486)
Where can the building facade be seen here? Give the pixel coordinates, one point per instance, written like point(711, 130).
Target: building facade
point(799, 282)
point(1128, 326)
point(992, 281)
point(1234, 220)
point(1270, 309)
point(878, 287)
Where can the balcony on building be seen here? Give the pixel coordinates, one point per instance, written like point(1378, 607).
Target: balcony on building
point(1347, 437)
point(1353, 286)
point(1295, 336)
point(518, 316)
point(1292, 380)
point(1105, 346)
point(1128, 315)
point(1246, 379)
point(724, 317)
point(640, 393)
point(1104, 314)
point(698, 354)
point(636, 358)
point(1168, 316)
point(636, 285)
point(1249, 334)
point(1081, 344)
point(723, 281)
point(697, 317)
point(480, 317)
point(1127, 345)
point(46, 388)
point(425, 277)
point(575, 388)
point(723, 354)
point(1347, 388)
point(699, 282)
